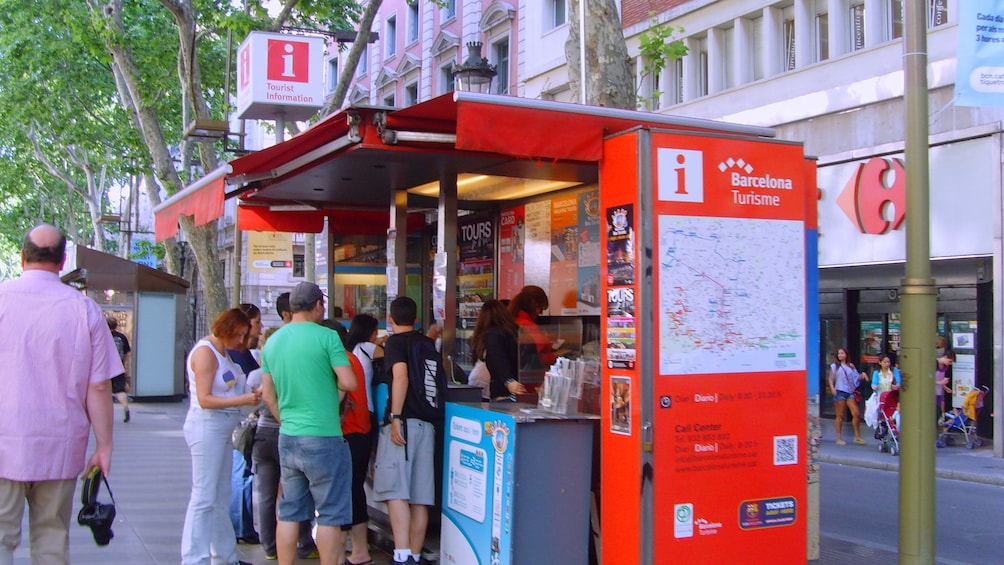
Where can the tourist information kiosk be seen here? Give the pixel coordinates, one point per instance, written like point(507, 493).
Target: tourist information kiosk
point(706, 254)
point(706, 279)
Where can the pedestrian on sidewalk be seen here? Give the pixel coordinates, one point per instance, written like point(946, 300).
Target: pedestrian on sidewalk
point(941, 380)
point(218, 386)
point(58, 360)
point(303, 395)
point(120, 383)
point(844, 378)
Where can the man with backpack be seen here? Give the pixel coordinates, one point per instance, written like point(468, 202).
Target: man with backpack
point(404, 470)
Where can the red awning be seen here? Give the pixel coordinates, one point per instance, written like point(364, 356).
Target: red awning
point(202, 199)
point(343, 222)
point(358, 158)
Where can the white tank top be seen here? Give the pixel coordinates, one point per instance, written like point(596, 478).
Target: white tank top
point(228, 382)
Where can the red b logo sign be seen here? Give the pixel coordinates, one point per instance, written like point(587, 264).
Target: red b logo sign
point(875, 185)
point(288, 60)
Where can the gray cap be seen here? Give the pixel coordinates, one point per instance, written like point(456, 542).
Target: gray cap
point(304, 295)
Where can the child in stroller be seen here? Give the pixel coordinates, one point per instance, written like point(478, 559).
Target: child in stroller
point(887, 431)
point(963, 421)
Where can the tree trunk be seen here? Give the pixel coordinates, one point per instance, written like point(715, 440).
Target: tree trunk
point(352, 60)
point(202, 238)
point(609, 80)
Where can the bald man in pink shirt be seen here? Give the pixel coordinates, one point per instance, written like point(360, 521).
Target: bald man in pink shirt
point(58, 358)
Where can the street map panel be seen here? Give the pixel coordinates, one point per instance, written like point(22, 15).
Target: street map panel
point(731, 295)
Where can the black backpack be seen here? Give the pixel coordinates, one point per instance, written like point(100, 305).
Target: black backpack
point(426, 398)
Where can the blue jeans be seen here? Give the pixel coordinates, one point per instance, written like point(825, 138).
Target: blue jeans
point(208, 537)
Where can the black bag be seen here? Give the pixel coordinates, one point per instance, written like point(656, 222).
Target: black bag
point(95, 515)
point(426, 380)
point(243, 436)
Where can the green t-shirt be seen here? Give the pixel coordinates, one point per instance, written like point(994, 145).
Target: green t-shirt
point(300, 357)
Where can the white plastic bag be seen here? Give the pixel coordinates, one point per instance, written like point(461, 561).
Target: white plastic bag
point(872, 410)
point(481, 377)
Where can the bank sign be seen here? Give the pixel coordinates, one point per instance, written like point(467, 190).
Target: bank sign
point(279, 73)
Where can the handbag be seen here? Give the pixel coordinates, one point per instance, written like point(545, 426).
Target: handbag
point(857, 396)
point(243, 436)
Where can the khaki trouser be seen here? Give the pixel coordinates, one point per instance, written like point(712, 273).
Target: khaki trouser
point(50, 504)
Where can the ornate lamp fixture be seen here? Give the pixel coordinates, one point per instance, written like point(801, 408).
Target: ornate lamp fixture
point(475, 74)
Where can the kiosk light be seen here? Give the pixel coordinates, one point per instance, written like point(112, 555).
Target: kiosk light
point(476, 74)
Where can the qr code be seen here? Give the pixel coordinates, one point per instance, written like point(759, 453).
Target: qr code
point(785, 450)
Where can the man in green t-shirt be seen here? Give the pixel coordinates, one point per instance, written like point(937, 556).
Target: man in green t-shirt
point(304, 372)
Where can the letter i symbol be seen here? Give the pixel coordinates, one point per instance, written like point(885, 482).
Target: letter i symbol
point(287, 61)
point(681, 175)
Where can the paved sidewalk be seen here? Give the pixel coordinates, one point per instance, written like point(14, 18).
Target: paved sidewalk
point(954, 462)
point(151, 477)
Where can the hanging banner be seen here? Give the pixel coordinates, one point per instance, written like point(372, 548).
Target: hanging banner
point(979, 78)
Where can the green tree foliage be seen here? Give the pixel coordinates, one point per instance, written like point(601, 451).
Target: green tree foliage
point(658, 46)
point(117, 82)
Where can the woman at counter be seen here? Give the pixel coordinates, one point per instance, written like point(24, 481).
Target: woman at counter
point(536, 349)
point(493, 344)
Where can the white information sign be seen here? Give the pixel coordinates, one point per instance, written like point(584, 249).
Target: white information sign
point(279, 73)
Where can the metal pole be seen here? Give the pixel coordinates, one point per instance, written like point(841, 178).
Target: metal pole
point(916, 476)
point(582, 51)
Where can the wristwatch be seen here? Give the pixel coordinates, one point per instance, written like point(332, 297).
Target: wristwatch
point(395, 417)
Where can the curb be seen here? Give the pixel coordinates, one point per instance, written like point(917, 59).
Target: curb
point(995, 479)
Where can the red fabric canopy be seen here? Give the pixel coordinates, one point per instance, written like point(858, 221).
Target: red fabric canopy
point(345, 222)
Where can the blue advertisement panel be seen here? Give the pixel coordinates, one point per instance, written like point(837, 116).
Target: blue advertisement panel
point(477, 487)
point(979, 79)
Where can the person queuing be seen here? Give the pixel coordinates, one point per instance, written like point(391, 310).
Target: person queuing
point(493, 343)
point(316, 465)
point(404, 470)
point(241, 506)
point(364, 344)
point(50, 380)
point(356, 427)
point(266, 471)
point(218, 392)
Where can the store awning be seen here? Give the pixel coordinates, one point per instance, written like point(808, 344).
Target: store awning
point(348, 166)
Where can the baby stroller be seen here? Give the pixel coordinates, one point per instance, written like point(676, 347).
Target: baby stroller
point(887, 431)
point(964, 421)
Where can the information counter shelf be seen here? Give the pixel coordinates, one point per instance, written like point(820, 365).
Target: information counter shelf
point(517, 484)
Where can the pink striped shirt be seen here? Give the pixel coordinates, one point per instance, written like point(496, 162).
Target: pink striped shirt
point(54, 342)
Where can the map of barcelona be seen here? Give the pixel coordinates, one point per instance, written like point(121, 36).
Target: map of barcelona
point(732, 295)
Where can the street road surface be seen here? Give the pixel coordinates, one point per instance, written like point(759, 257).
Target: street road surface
point(861, 505)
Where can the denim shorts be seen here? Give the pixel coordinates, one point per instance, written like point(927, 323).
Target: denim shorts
point(316, 475)
point(841, 395)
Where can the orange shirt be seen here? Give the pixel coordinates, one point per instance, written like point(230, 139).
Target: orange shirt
point(357, 420)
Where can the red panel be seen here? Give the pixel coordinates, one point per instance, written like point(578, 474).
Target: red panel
point(345, 222)
point(255, 218)
point(620, 442)
point(729, 360)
